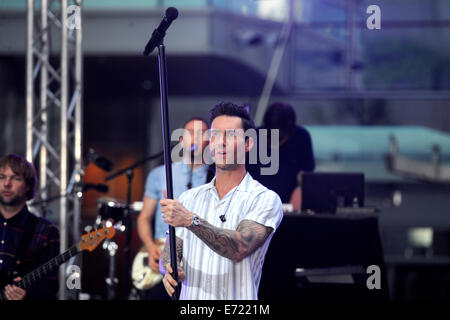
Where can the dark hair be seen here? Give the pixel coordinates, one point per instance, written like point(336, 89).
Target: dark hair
point(20, 166)
point(232, 110)
point(196, 118)
point(280, 115)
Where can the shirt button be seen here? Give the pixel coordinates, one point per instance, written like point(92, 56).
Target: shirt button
point(4, 223)
point(3, 241)
point(1, 261)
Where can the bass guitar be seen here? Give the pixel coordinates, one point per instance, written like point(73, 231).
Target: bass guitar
point(88, 242)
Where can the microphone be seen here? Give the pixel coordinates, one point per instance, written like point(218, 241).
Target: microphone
point(192, 149)
point(159, 33)
point(100, 187)
point(101, 162)
point(222, 218)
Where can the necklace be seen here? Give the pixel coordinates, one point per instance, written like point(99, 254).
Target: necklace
point(222, 216)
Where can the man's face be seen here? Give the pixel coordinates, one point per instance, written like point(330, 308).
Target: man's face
point(194, 135)
point(13, 188)
point(227, 142)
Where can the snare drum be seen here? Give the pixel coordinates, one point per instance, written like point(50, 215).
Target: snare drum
point(109, 208)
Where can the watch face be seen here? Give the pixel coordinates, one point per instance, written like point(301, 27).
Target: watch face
point(196, 221)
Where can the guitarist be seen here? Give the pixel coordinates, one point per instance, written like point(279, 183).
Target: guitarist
point(26, 241)
point(188, 173)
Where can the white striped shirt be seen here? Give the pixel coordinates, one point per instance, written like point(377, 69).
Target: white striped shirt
point(209, 276)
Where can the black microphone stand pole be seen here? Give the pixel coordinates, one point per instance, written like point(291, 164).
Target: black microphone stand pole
point(127, 218)
point(156, 40)
point(167, 157)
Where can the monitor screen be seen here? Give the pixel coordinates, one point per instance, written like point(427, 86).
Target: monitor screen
point(323, 192)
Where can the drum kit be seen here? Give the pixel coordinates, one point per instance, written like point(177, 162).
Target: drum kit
point(112, 211)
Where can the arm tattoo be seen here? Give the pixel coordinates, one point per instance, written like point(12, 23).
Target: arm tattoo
point(233, 244)
point(165, 255)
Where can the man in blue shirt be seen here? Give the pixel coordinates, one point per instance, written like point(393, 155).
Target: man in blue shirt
point(188, 173)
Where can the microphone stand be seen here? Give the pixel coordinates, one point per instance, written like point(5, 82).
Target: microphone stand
point(167, 157)
point(43, 203)
point(46, 201)
point(157, 40)
point(133, 166)
point(128, 171)
point(191, 169)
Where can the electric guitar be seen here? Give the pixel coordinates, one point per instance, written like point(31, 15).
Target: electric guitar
point(143, 276)
point(88, 242)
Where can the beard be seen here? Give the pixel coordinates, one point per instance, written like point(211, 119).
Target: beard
point(231, 161)
point(14, 201)
point(227, 165)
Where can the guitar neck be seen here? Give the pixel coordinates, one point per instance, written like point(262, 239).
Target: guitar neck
point(88, 242)
point(44, 269)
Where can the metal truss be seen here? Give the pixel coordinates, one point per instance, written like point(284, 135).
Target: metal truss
point(54, 112)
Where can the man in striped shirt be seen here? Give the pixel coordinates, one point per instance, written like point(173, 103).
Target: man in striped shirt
point(191, 171)
point(224, 227)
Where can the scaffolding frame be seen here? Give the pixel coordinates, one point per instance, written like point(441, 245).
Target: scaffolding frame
point(53, 122)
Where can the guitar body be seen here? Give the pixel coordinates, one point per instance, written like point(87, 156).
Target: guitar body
point(143, 276)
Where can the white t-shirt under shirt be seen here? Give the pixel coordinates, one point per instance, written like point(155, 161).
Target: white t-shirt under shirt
point(210, 276)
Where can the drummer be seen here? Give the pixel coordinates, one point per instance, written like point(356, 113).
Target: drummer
point(190, 172)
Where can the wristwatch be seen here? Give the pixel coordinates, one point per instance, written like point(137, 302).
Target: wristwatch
point(195, 221)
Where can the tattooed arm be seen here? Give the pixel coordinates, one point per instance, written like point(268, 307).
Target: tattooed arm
point(165, 255)
point(232, 244)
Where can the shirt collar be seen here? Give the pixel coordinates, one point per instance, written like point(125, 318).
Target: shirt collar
point(210, 185)
point(19, 218)
point(242, 186)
